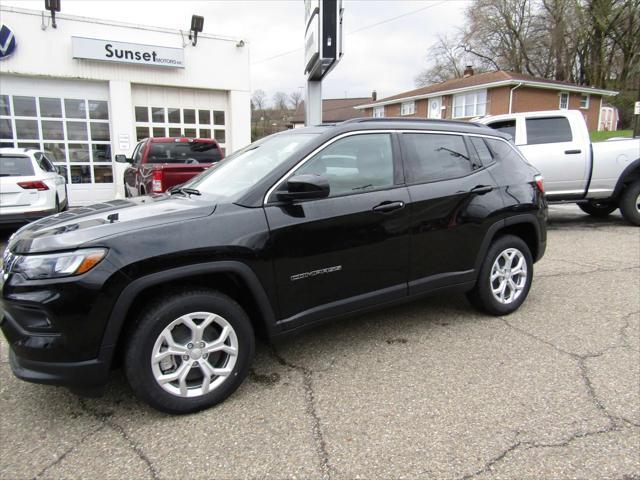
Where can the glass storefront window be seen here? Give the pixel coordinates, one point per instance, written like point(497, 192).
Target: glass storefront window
point(28, 145)
point(101, 152)
point(175, 132)
point(189, 115)
point(52, 130)
point(77, 130)
point(190, 132)
point(142, 114)
point(218, 117)
point(158, 131)
point(79, 152)
point(27, 129)
point(157, 115)
point(98, 110)
point(50, 107)
point(80, 174)
point(24, 107)
point(100, 131)
point(205, 133)
point(204, 117)
point(75, 108)
point(5, 108)
point(57, 150)
point(6, 131)
point(174, 115)
point(103, 174)
point(219, 135)
point(142, 133)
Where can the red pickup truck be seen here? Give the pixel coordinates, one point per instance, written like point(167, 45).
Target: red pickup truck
point(158, 164)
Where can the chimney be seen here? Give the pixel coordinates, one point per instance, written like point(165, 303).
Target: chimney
point(374, 95)
point(468, 72)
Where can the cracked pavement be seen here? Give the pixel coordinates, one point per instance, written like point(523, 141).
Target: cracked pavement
point(430, 389)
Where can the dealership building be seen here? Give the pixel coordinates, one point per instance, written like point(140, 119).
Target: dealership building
point(90, 89)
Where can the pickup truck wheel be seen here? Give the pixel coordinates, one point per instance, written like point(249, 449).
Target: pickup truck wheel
point(630, 203)
point(189, 351)
point(505, 277)
point(598, 209)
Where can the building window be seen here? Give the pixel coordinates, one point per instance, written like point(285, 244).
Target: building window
point(584, 101)
point(378, 112)
point(564, 101)
point(75, 131)
point(470, 104)
point(407, 108)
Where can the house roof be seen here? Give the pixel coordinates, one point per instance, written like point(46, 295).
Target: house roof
point(489, 79)
point(334, 109)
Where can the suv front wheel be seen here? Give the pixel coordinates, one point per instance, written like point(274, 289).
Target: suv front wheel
point(505, 277)
point(189, 351)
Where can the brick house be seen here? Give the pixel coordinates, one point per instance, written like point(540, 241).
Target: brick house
point(490, 93)
point(334, 110)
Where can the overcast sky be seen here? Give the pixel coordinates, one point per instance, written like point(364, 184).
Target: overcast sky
point(385, 57)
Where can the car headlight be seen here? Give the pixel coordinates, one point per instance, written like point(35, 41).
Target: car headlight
point(55, 265)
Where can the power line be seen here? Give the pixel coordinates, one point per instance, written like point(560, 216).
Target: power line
point(366, 27)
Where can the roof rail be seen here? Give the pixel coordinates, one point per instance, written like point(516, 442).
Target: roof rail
point(410, 119)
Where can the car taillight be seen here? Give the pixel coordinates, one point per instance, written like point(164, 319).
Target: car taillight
point(34, 185)
point(539, 183)
point(156, 184)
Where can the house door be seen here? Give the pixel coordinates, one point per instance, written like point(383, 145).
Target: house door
point(435, 108)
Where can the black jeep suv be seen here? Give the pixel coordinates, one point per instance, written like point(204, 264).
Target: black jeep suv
point(295, 229)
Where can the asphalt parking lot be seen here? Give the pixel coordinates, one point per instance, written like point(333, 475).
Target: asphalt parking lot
point(430, 389)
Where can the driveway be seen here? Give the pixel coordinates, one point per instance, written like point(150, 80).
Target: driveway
point(430, 389)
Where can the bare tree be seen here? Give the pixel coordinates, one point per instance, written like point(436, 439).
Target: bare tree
point(295, 98)
point(447, 60)
point(280, 101)
point(258, 100)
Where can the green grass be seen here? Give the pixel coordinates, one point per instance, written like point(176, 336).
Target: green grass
point(602, 136)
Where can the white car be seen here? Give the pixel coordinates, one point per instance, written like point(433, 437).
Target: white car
point(30, 186)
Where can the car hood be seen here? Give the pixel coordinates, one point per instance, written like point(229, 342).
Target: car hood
point(78, 226)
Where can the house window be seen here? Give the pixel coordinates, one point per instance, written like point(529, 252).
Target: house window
point(470, 104)
point(407, 108)
point(584, 101)
point(378, 112)
point(564, 101)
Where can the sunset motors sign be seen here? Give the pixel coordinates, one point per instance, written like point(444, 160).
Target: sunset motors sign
point(124, 52)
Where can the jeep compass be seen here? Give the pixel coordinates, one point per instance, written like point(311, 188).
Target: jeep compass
point(298, 228)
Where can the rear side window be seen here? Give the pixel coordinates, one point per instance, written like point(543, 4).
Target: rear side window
point(431, 157)
point(484, 154)
point(15, 166)
point(184, 152)
point(505, 153)
point(548, 130)
point(43, 163)
point(505, 126)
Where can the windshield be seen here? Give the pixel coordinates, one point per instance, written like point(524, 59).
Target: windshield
point(246, 167)
point(183, 152)
point(15, 166)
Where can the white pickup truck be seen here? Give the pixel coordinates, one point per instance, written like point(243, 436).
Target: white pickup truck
point(599, 177)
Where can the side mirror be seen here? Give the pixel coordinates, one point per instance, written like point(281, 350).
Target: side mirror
point(122, 159)
point(305, 187)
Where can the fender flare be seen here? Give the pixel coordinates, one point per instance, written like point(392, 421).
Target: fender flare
point(526, 218)
point(635, 165)
point(130, 293)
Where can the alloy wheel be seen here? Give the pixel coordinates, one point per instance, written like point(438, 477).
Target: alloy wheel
point(508, 275)
point(194, 354)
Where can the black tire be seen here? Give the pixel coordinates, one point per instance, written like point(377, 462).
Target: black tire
point(630, 202)
point(598, 209)
point(66, 199)
point(481, 295)
point(152, 321)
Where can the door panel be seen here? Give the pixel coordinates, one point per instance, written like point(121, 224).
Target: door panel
point(336, 248)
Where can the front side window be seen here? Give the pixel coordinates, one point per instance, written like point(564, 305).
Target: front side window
point(378, 112)
point(354, 164)
point(548, 130)
point(564, 101)
point(408, 108)
point(431, 157)
point(470, 104)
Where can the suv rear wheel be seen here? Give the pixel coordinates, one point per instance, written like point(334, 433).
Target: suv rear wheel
point(505, 277)
point(189, 351)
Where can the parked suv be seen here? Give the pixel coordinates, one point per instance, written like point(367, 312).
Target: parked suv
point(30, 186)
point(295, 229)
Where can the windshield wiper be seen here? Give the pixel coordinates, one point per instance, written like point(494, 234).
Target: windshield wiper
point(184, 190)
point(452, 152)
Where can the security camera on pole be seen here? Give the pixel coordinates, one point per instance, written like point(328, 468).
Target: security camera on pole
point(322, 51)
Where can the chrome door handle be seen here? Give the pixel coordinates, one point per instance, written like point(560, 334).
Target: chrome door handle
point(387, 207)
